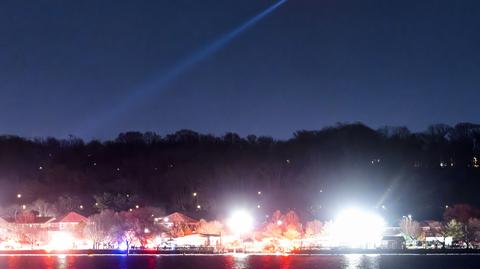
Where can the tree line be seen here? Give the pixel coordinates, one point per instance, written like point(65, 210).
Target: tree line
point(314, 172)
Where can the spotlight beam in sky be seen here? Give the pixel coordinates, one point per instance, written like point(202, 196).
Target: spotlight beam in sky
point(159, 84)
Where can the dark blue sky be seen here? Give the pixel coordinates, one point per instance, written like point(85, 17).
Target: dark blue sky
point(64, 65)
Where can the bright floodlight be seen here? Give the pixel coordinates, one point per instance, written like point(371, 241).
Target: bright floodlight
point(358, 229)
point(61, 241)
point(123, 246)
point(240, 222)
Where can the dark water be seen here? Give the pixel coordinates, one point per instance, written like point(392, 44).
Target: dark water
point(238, 262)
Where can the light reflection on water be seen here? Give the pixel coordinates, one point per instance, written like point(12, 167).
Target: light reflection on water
point(351, 261)
point(239, 262)
point(355, 261)
point(62, 262)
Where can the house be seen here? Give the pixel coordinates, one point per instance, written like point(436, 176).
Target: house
point(40, 232)
point(66, 221)
point(29, 222)
point(69, 221)
point(178, 218)
point(178, 224)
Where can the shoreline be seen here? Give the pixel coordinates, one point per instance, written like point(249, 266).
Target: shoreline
point(106, 252)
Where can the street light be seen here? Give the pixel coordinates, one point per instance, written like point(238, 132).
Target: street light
point(19, 195)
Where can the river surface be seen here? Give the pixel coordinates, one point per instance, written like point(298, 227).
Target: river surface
point(351, 261)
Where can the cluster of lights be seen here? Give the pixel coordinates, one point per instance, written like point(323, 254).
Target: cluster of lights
point(165, 219)
point(352, 228)
point(445, 164)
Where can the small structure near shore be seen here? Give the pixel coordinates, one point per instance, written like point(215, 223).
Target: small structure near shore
point(393, 242)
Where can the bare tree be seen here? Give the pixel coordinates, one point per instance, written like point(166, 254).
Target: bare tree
point(313, 228)
point(210, 227)
point(410, 228)
point(43, 208)
point(102, 228)
point(67, 203)
point(472, 231)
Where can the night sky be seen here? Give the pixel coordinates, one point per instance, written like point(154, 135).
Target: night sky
point(82, 67)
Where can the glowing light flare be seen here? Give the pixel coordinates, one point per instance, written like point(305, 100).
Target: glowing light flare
point(61, 241)
point(286, 245)
point(123, 246)
point(158, 240)
point(358, 229)
point(241, 222)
